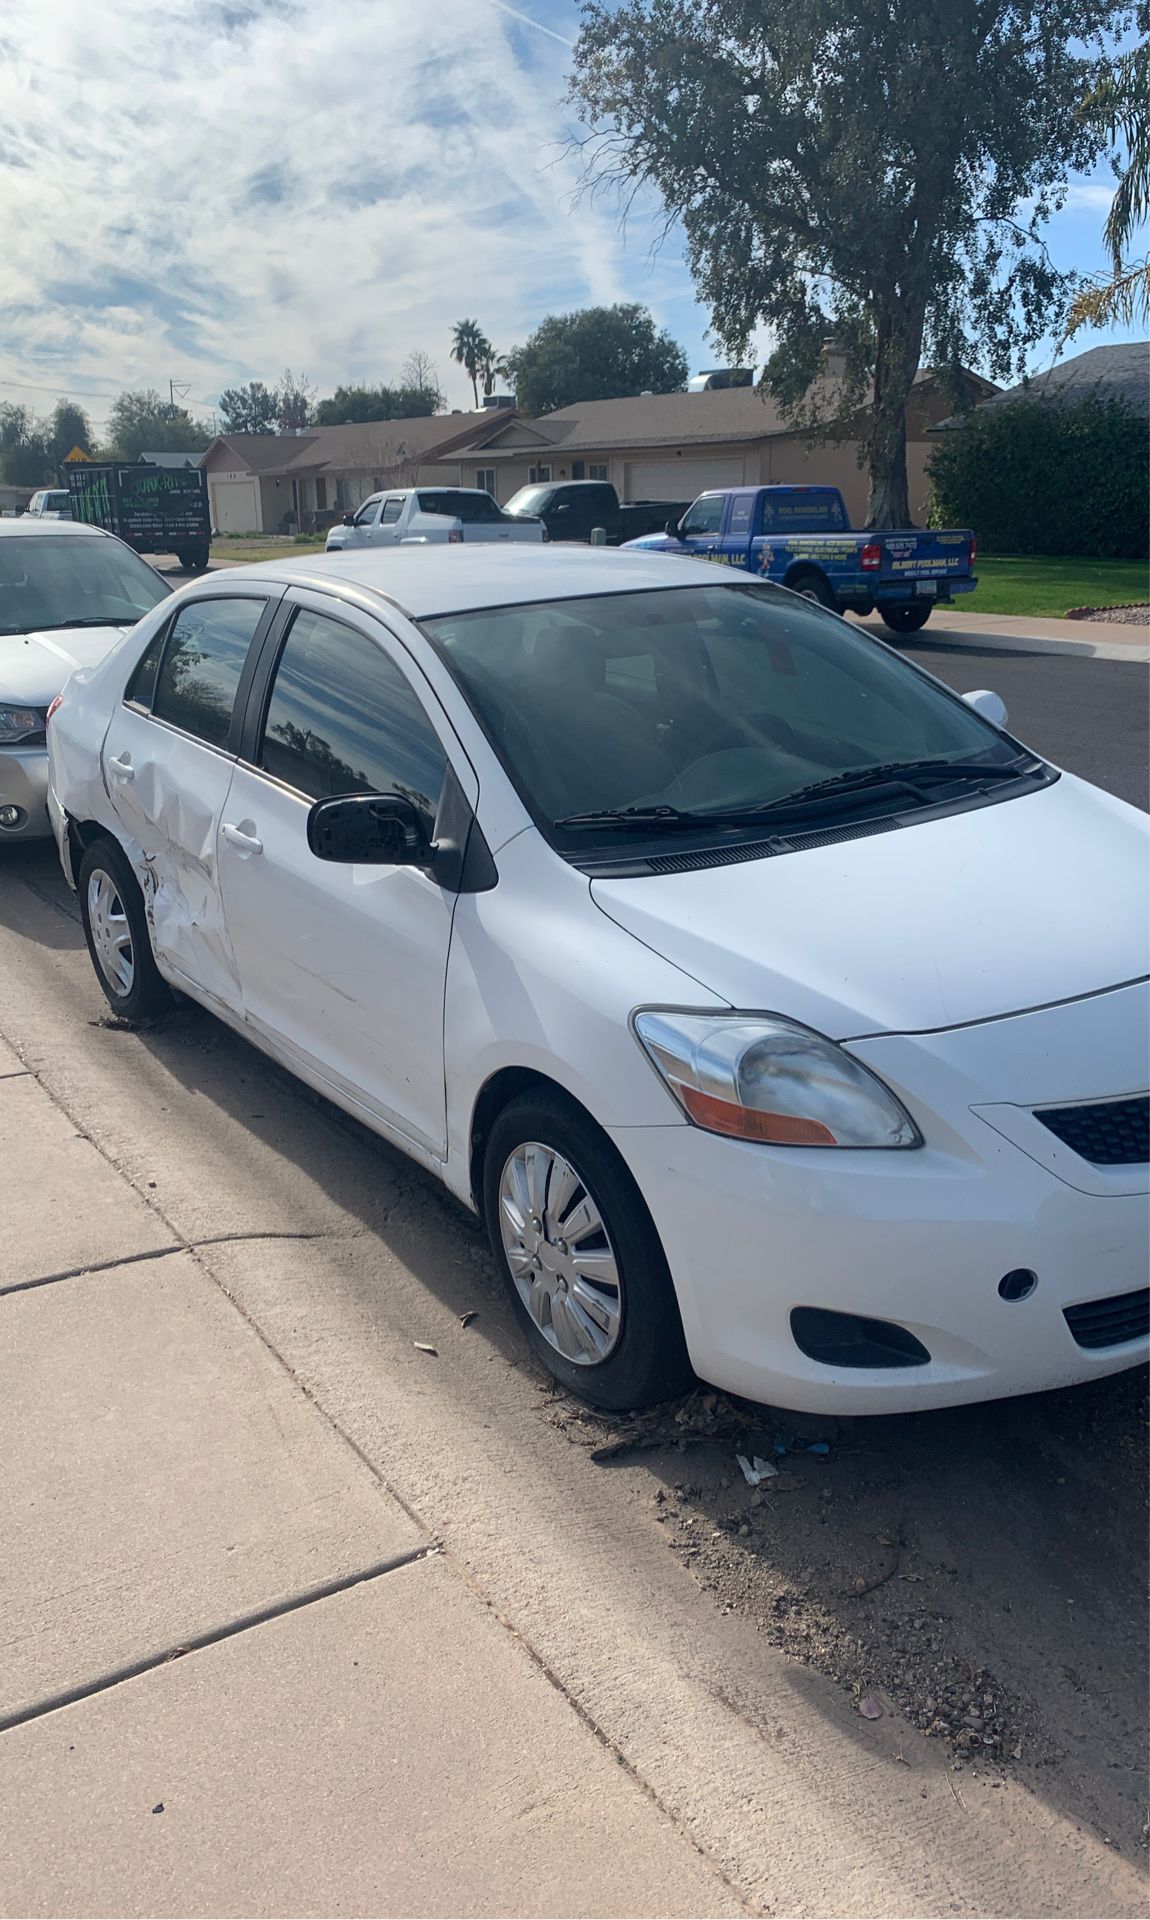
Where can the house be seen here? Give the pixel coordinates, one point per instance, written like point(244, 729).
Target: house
point(282, 482)
point(673, 446)
point(1112, 373)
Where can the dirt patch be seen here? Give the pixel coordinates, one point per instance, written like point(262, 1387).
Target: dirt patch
point(978, 1573)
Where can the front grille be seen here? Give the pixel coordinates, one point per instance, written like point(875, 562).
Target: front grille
point(1107, 1323)
point(1109, 1133)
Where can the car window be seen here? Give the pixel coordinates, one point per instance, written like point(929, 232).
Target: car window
point(706, 516)
point(808, 510)
point(73, 580)
point(367, 513)
point(203, 660)
point(142, 684)
point(471, 508)
point(391, 512)
point(742, 506)
point(343, 719)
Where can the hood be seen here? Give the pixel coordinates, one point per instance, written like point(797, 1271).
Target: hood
point(937, 924)
point(34, 666)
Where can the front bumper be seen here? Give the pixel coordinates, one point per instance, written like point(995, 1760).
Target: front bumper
point(920, 1238)
point(24, 784)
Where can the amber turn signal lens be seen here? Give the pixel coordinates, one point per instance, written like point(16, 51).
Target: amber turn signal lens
point(746, 1123)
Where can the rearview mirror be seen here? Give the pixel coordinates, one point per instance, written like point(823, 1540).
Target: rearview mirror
point(349, 519)
point(372, 829)
point(990, 705)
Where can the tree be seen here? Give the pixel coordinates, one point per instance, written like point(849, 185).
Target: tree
point(295, 400)
point(140, 422)
point(25, 452)
point(419, 374)
point(492, 366)
point(356, 405)
point(600, 353)
point(69, 427)
point(878, 171)
point(1122, 102)
point(469, 346)
point(253, 408)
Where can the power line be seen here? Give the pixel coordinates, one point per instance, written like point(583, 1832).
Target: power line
point(29, 386)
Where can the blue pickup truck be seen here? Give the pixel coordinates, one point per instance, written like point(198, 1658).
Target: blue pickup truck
point(801, 537)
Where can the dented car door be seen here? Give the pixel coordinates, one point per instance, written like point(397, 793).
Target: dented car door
point(167, 762)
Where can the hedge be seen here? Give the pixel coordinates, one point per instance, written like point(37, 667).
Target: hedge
point(1043, 476)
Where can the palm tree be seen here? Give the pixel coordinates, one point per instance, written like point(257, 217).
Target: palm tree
point(471, 348)
point(492, 366)
point(1123, 99)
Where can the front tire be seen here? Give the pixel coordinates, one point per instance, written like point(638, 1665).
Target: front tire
point(116, 930)
point(906, 619)
point(580, 1256)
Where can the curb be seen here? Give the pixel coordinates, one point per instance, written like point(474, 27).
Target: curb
point(1137, 651)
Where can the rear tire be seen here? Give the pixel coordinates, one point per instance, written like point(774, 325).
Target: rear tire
point(816, 587)
point(611, 1257)
point(906, 619)
point(116, 930)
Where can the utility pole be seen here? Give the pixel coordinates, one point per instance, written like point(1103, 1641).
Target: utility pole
point(176, 392)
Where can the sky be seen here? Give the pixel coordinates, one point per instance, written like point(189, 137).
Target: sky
point(208, 191)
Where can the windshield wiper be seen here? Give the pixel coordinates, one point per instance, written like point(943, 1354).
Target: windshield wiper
point(89, 620)
point(659, 816)
point(897, 773)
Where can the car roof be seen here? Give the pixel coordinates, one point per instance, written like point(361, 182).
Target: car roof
point(55, 529)
point(424, 582)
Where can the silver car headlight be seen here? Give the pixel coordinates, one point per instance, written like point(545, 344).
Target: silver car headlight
point(760, 1077)
point(19, 723)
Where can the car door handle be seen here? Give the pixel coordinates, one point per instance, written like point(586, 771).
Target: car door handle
point(122, 769)
point(246, 842)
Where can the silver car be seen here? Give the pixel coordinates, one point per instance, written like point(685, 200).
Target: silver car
point(67, 593)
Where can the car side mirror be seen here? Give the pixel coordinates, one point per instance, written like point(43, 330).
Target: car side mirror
point(673, 530)
point(564, 506)
point(372, 829)
point(990, 705)
point(349, 519)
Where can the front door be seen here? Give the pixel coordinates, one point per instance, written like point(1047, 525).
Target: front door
point(701, 526)
point(168, 764)
point(344, 966)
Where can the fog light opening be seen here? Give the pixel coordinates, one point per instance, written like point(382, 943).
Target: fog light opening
point(12, 817)
point(853, 1340)
point(1018, 1284)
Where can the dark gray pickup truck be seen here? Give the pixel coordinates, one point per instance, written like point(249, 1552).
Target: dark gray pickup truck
point(570, 509)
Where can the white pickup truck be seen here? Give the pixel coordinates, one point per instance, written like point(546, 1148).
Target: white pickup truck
point(430, 516)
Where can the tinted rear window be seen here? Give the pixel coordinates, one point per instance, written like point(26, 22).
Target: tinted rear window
point(816, 511)
point(202, 664)
point(468, 507)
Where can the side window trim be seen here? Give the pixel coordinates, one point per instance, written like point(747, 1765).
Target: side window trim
point(271, 595)
point(145, 706)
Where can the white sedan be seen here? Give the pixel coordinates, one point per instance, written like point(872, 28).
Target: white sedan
point(432, 516)
point(784, 1018)
point(67, 593)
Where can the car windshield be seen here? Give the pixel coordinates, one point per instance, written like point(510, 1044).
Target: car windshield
point(529, 500)
point(699, 705)
point(71, 581)
point(468, 507)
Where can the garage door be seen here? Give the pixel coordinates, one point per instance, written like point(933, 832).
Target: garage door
point(681, 479)
point(235, 506)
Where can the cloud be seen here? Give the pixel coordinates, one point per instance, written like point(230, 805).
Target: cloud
point(213, 189)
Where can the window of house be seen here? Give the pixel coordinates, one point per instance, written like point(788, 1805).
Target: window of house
point(485, 477)
point(367, 512)
point(343, 719)
point(203, 660)
point(538, 476)
point(597, 470)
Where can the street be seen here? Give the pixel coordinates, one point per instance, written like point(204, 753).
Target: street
point(978, 1574)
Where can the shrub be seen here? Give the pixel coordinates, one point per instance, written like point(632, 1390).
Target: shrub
point(1046, 476)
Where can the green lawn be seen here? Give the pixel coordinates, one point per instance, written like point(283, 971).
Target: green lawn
point(1032, 583)
point(275, 547)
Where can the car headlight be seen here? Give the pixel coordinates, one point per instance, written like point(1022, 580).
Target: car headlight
point(18, 723)
point(759, 1077)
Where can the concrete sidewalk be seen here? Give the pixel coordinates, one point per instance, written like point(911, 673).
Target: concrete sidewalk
point(236, 1675)
point(1015, 633)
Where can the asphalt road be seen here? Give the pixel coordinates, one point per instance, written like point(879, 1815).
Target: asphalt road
point(980, 1571)
point(1089, 716)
